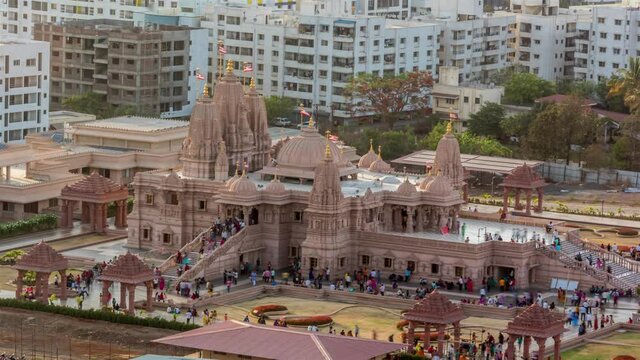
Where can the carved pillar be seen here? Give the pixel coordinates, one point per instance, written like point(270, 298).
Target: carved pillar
point(505, 199)
point(132, 299)
point(63, 284)
point(518, 206)
point(454, 221)
point(149, 296)
point(86, 213)
point(456, 335)
point(427, 335)
point(123, 220)
point(388, 218)
point(410, 213)
point(556, 347)
point(45, 287)
point(19, 283)
point(525, 349)
point(411, 334)
point(419, 219)
point(104, 299)
point(119, 213)
point(38, 287)
point(541, 347)
point(440, 340)
point(540, 196)
point(528, 208)
point(123, 296)
point(511, 348)
point(64, 209)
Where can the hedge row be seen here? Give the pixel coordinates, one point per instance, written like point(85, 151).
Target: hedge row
point(262, 309)
point(39, 222)
point(111, 208)
point(102, 315)
point(317, 320)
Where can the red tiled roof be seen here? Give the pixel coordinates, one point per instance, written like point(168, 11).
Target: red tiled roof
point(43, 258)
point(95, 188)
point(278, 343)
point(523, 177)
point(128, 269)
point(537, 322)
point(435, 308)
point(615, 116)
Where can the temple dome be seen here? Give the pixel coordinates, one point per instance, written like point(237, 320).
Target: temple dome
point(243, 186)
point(426, 181)
point(367, 159)
point(275, 187)
point(448, 159)
point(379, 165)
point(406, 188)
point(440, 186)
point(307, 150)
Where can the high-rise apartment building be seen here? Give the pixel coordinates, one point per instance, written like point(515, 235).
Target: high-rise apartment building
point(152, 69)
point(24, 88)
point(545, 38)
point(478, 44)
point(608, 35)
point(311, 55)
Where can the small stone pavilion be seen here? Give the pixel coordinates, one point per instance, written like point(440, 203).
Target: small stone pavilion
point(43, 260)
point(435, 310)
point(539, 324)
point(129, 271)
point(523, 178)
point(94, 193)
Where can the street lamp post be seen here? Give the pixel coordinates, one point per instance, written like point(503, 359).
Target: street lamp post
point(601, 207)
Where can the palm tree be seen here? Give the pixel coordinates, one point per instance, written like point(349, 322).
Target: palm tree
point(627, 83)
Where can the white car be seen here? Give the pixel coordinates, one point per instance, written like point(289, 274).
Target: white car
point(282, 122)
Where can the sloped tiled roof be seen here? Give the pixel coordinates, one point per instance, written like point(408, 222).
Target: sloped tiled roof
point(42, 258)
point(537, 322)
point(128, 269)
point(435, 308)
point(95, 187)
point(523, 177)
point(269, 342)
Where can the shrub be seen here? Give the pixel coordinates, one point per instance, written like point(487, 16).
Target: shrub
point(318, 320)
point(10, 257)
point(625, 231)
point(262, 309)
point(102, 315)
point(39, 222)
point(111, 208)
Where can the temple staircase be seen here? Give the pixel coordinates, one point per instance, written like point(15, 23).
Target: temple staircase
point(625, 273)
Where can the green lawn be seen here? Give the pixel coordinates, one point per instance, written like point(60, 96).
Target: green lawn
point(606, 351)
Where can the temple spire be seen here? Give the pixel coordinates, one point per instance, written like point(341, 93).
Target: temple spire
point(379, 152)
point(370, 144)
point(229, 66)
point(449, 127)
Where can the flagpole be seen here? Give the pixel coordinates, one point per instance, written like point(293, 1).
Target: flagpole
point(220, 59)
point(197, 83)
point(244, 66)
point(301, 116)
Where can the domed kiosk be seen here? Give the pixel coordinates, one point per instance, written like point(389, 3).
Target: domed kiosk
point(299, 156)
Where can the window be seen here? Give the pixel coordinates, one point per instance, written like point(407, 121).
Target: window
point(602, 49)
point(342, 262)
point(313, 262)
point(202, 205)
point(538, 27)
point(459, 271)
point(364, 260)
point(146, 233)
point(617, 36)
point(615, 65)
point(435, 268)
point(617, 22)
point(616, 51)
point(275, 53)
point(173, 198)
point(477, 100)
point(53, 202)
point(293, 251)
point(31, 62)
point(388, 262)
point(166, 238)
point(276, 38)
point(376, 27)
point(601, 63)
point(148, 199)
point(466, 99)
point(600, 20)
point(603, 35)
point(297, 216)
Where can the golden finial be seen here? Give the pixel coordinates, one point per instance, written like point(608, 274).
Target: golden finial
point(327, 151)
point(449, 127)
point(229, 66)
point(379, 151)
point(244, 169)
point(327, 134)
point(311, 122)
point(205, 91)
point(370, 144)
point(252, 83)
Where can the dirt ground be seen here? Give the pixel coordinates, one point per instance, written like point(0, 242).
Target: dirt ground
point(40, 336)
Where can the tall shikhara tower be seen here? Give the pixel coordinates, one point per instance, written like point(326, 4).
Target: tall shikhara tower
point(232, 121)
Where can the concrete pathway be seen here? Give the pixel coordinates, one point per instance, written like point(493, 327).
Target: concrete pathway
point(491, 209)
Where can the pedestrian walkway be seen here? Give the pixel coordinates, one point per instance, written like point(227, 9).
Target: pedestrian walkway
point(588, 219)
point(21, 241)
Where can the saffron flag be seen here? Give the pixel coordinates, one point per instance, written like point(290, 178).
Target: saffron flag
point(222, 50)
point(304, 113)
point(199, 76)
point(247, 68)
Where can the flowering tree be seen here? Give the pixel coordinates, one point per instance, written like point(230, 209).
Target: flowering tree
point(390, 96)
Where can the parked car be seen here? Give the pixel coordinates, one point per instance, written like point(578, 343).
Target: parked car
point(280, 121)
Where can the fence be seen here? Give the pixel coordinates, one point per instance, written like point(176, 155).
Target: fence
point(575, 174)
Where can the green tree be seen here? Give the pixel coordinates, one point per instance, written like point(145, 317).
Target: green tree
point(524, 88)
point(395, 143)
point(389, 96)
point(626, 82)
point(626, 148)
point(486, 122)
point(559, 126)
point(95, 104)
point(580, 88)
point(279, 106)
point(518, 124)
point(502, 76)
point(612, 102)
